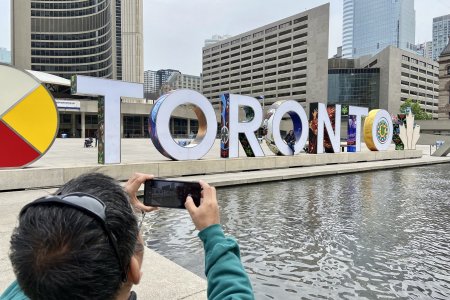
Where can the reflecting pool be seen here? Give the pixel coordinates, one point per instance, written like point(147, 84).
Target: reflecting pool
point(372, 235)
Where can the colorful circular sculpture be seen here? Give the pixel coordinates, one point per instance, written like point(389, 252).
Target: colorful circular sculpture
point(378, 130)
point(28, 118)
point(382, 131)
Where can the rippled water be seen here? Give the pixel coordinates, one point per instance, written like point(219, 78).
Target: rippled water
point(374, 235)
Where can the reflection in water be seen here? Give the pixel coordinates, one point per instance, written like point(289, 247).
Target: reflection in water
point(374, 235)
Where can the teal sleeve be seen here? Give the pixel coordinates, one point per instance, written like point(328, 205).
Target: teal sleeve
point(226, 276)
point(13, 292)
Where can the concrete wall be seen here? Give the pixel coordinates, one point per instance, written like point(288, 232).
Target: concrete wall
point(21, 34)
point(132, 41)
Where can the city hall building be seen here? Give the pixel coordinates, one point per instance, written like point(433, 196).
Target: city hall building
point(287, 59)
point(101, 38)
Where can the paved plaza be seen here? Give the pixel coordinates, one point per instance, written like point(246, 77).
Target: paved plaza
point(164, 279)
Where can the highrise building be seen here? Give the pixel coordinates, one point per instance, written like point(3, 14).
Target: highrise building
point(183, 81)
point(371, 26)
point(385, 80)
point(101, 38)
point(441, 33)
point(154, 81)
point(162, 76)
point(5, 56)
point(149, 83)
point(216, 38)
point(284, 60)
point(425, 49)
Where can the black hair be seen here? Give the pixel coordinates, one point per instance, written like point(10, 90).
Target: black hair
point(59, 252)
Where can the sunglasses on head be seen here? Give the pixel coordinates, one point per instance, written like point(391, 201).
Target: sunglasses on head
point(89, 205)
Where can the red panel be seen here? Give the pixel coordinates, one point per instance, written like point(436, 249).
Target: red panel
point(14, 152)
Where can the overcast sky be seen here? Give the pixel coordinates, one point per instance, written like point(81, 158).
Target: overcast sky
point(175, 30)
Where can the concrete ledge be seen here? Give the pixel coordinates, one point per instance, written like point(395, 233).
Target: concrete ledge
point(14, 179)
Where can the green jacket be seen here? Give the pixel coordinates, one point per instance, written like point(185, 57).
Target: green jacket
point(227, 278)
point(13, 292)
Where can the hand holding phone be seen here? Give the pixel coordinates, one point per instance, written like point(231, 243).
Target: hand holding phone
point(207, 213)
point(170, 193)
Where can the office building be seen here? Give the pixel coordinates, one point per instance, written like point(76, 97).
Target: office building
point(5, 56)
point(287, 59)
point(385, 81)
point(350, 85)
point(178, 80)
point(441, 33)
point(149, 84)
point(94, 38)
point(162, 76)
point(425, 49)
point(371, 26)
point(405, 75)
point(154, 82)
point(215, 39)
point(444, 83)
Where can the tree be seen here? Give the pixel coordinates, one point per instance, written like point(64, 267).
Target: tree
point(418, 112)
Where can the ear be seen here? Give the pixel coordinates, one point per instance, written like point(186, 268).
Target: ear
point(134, 272)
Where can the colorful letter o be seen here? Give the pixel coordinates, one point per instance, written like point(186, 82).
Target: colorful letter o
point(272, 122)
point(378, 130)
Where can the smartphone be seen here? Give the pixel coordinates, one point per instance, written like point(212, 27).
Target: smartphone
point(170, 193)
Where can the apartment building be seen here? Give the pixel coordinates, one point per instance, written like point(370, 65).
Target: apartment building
point(287, 59)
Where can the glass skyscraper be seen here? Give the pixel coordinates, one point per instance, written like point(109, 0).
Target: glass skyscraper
point(372, 25)
point(441, 33)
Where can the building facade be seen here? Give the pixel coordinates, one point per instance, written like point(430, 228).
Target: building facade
point(425, 49)
point(215, 39)
point(183, 81)
point(371, 26)
point(5, 56)
point(405, 75)
point(155, 82)
point(101, 38)
point(441, 33)
point(348, 85)
point(444, 83)
point(149, 83)
point(283, 60)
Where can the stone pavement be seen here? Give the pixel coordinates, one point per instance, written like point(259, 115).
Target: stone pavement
point(164, 279)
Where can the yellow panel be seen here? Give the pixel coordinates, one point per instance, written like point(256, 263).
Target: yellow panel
point(35, 118)
point(368, 124)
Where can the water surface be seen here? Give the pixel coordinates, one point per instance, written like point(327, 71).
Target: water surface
point(372, 235)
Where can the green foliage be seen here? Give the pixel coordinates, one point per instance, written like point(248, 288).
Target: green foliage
point(418, 112)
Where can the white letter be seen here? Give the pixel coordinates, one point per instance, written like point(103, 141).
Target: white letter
point(247, 127)
point(160, 125)
point(111, 90)
point(358, 112)
point(324, 121)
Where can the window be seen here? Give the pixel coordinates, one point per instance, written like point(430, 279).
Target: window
point(448, 70)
